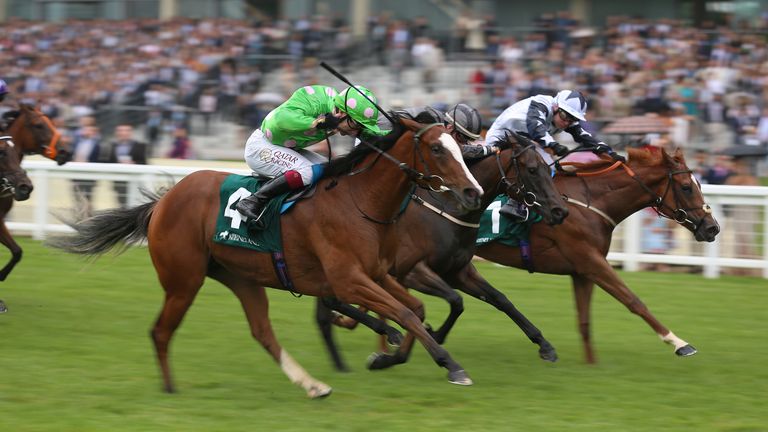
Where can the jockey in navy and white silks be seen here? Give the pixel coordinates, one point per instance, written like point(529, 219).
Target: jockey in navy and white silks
point(542, 116)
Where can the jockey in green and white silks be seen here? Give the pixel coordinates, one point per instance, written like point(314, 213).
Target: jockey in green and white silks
point(277, 148)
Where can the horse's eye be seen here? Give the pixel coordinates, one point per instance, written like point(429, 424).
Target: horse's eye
point(532, 170)
point(39, 127)
point(687, 187)
point(436, 148)
point(3, 153)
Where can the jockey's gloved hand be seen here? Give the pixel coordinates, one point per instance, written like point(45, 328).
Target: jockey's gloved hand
point(602, 148)
point(327, 121)
point(615, 156)
point(558, 148)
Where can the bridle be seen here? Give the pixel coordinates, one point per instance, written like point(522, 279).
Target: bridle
point(517, 188)
point(48, 150)
point(678, 213)
point(426, 181)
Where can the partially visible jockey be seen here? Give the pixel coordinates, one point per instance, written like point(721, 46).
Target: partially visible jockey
point(277, 148)
point(462, 121)
point(539, 118)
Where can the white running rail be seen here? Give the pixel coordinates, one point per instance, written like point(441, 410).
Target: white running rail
point(742, 211)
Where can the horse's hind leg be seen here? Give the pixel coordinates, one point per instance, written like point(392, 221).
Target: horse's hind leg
point(471, 282)
point(324, 319)
point(256, 306)
point(180, 287)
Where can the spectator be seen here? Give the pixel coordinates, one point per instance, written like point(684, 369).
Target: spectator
point(181, 148)
point(125, 150)
point(85, 148)
point(207, 105)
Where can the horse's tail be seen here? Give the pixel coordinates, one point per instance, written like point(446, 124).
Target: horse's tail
point(107, 229)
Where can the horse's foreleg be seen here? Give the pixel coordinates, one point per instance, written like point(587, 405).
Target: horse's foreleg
point(256, 306)
point(16, 252)
point(582, 293)
point(382, 300)
point(471, 282)
point(423, 279)
point(603, 274)
point(416, 330)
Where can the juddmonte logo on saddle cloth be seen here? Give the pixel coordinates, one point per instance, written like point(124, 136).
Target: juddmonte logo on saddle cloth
point(231, 226)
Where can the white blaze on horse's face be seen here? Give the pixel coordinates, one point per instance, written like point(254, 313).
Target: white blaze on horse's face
point(450, 144)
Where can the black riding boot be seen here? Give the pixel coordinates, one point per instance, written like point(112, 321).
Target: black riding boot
point(515, 211)
point(253, 206)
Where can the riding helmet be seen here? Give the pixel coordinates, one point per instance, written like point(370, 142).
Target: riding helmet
point(465, 119)
point(359, 103)
point(572, 102)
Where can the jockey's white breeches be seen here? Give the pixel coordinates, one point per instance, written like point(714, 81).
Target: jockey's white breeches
point(271, 160)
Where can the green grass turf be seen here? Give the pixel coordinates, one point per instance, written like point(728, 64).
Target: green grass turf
point(76, 356)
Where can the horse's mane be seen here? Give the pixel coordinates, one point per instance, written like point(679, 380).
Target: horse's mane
point(646, 156)
point(345, 163)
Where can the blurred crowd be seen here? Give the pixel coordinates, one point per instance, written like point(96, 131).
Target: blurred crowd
point(707, 82)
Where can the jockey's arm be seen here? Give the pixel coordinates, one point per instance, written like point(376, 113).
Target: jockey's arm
point(294, 121)
point(471, 151)
point(537, 124)
point(585, 139)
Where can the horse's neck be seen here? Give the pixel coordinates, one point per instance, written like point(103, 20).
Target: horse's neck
point(15, 131)
point(380, 190)
point(616, 193)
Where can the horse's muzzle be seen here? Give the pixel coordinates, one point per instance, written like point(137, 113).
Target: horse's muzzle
point(22, 192)
point(558, 215)
point(708, 231)
point(63, 156)
point(471, 198)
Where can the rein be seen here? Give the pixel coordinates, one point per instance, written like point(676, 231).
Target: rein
point(48, 150)
point(680, 215)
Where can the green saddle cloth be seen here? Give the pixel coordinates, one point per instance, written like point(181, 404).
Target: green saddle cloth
point(495, 227)
point(231, 227)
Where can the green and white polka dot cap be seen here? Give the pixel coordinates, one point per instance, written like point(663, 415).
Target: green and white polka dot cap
point(352, 102)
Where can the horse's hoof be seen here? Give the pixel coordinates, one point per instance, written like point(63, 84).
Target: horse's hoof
point(394, 339)
point(319, 391)
point(686, 351)
point(3, 307)
point(379, 360)
point(548, 353)
point(459, 377)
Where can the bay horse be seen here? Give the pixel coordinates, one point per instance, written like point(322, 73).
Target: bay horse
point(28, 132)
point(341, 242)
point(580, 245)
point(437, 244)
point(602, 195)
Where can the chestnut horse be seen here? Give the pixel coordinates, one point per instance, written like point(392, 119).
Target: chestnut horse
point(602, 196)
point(580, 245)
point(434, 247)
point(341, 241)
point(29, 131)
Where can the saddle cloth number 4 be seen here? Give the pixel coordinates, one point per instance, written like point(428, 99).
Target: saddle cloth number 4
point(230, 212)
